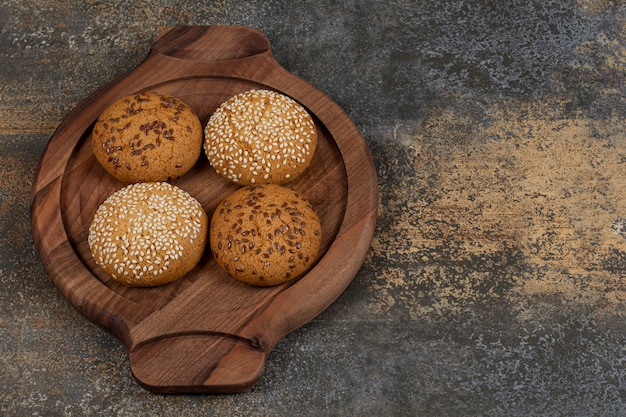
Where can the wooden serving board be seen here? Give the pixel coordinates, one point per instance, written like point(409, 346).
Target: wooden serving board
point(205, 332)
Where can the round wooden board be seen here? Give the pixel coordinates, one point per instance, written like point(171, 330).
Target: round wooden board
point(205, 332)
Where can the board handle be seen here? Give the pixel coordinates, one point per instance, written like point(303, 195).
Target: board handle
point(197, 362)
point(209, 44)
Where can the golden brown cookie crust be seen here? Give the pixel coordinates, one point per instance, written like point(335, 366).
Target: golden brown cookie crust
point(147, 137)
point(260, 137)
point(265, 234)
point(148, 234)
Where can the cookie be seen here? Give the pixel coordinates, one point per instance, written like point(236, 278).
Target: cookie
point(265, 234)
point(148, 234)
point(260, 137)
point(147, 137)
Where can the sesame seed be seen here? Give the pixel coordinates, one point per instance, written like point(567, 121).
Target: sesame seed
point(158, 220)
point(254, 128)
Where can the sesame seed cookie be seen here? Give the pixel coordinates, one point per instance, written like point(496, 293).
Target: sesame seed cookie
point(265, 234)
point(148, 234)
point(260, 137)
point(147, 137)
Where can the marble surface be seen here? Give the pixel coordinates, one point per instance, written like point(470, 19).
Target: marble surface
point(495, 284)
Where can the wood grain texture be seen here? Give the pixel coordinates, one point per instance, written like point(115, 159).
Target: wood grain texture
point(205, 332)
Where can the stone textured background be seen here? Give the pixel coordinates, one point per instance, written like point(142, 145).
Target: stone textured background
point(496, 283)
